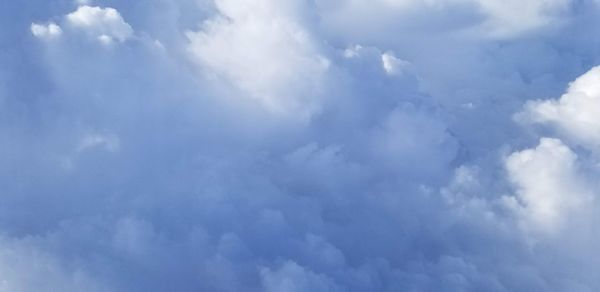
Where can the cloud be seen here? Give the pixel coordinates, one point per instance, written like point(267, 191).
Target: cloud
point(297, 146)
point(556, 199)
point(51, 30)
point(512, 18)
point(265, 51)
point(105, 24)
point(576, 114)
point(481, 19)
point(291, 277)
point(110, 143)
point(410, 136)
point(26, 268)
point(549, 184)
point(391, 64)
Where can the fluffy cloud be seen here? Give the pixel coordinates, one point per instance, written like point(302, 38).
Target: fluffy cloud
point(576, 114)
point(550, 185)
point(105, 24)
point(297, 146)
point(51, 30)
point(556, 200)
point(263, 48)
point(391, 64)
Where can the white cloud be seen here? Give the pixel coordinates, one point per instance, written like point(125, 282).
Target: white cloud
point(48, 31)
point(576, 114)
point(391, 64)
point(549, 184)
point(262, 47)
point(103, 23)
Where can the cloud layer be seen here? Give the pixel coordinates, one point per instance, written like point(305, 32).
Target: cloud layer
point(299, 145)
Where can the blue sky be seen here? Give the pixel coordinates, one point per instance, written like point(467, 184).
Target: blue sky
point(299, 145)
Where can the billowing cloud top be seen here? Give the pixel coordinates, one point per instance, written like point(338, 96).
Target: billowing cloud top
point(266, 145)
point(576, 114)
point(107, 23)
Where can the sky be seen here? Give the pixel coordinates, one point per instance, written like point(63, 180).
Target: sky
point(299, 145)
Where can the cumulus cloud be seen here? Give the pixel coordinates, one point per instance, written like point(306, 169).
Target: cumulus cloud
point(51, 30)
point(556, 199)
point(576, 114)
point(550, 185)
point(391, 64)
point(104, 23)
point(298, 145)
point(263, 48)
